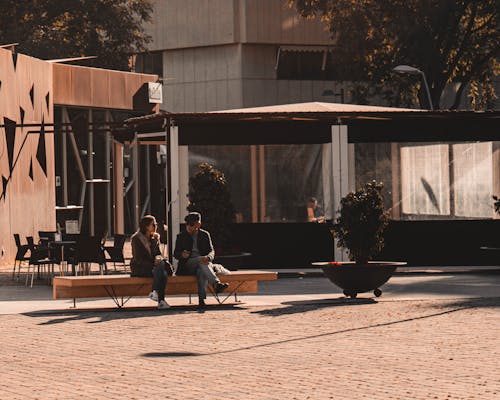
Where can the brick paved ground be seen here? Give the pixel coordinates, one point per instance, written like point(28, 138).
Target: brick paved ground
point(439, 349)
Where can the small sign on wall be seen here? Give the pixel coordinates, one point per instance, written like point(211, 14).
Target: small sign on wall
point(155, 92)
point(72, 226)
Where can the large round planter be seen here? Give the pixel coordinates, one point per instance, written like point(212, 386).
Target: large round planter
point(354, 279)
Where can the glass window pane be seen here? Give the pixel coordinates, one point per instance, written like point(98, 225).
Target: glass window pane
point(293, 173)
point(473, 179)
point(234, 162)
point(425, 179)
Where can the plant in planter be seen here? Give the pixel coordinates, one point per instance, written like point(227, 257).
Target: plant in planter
point(359, 228)
point(209, 195)
point(361, 223)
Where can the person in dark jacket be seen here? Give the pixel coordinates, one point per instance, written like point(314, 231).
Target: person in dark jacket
point(195, 252)
point(147, 259)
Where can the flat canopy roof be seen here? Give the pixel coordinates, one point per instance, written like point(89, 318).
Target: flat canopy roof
point(311, 123)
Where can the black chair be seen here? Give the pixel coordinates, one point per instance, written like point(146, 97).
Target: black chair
point(22, 249)
point(115, 252)
point(38, 258)
point(44, 243)
point(89, 250)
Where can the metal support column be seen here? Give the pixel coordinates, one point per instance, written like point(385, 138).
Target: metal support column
point(64, 162)
point(90, 168)
point(340, 172)
point(107, 169)
point(174, 226)
point(118, 208)
point(136, 178)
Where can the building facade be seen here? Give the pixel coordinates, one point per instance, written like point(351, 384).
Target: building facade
point(224, 54)
point(58, 161)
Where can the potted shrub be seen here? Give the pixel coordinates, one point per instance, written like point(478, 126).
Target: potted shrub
point(359, 228)
point(209, 195)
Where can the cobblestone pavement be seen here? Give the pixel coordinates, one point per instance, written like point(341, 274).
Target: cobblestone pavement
point(341, 349)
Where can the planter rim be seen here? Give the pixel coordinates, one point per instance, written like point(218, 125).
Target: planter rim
point(352, 264)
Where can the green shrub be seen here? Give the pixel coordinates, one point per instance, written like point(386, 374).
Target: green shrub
point(361, 223)
point(209, 195)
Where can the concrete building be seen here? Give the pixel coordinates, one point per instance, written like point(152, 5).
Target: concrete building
point(223, 54)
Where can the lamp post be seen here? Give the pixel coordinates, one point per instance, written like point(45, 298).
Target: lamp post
point(406, 69)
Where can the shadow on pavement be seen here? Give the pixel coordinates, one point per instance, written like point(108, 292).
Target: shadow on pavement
point(112, 314)
point(172, 354)
point(483, 302)
point(469, 285)
point(294, 307)
point(298, 339)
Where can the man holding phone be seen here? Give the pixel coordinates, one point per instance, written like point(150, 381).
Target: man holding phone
point(195, 252)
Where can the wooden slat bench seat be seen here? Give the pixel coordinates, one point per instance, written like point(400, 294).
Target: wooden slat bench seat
point(121, 288)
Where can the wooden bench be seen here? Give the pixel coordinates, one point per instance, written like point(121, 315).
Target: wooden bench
point(120, 288)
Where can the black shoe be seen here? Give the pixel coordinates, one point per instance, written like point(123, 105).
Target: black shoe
point(201, 303)
point(220, 287)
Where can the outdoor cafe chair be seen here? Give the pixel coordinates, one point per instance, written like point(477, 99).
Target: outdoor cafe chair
point(115, 252)
point(22, 249)
point(44, 243)
point(88, 250)
point(38, 258)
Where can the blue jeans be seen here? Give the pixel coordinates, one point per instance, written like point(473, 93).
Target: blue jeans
point(160, 279)
point(204, 273)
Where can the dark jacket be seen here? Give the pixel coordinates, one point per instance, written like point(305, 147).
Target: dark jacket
point(143, 259)
point(184, 241)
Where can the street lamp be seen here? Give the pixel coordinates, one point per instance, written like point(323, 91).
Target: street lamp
point(406, 69)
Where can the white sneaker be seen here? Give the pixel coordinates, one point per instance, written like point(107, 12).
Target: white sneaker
point(162, 305)
point(153, 295)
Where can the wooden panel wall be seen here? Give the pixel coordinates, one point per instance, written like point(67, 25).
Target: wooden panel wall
point(97, 88)
point(27, 193)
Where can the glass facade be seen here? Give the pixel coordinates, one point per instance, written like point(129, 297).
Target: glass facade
point(425, 181)
point(270, 183)
point(422, 181)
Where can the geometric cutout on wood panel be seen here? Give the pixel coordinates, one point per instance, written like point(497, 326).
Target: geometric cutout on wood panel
point(31, 169)
point(32, 95)
point(4, 187)
point(14, 59)
point(10, 131)
point(47, 98)
point(41, 155)
point(21, 111)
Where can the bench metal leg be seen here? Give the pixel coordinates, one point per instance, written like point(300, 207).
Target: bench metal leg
point(234, 291)
point(119, 301)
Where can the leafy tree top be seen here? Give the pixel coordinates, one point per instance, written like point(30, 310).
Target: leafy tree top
point(112, 30)
point(450, 41)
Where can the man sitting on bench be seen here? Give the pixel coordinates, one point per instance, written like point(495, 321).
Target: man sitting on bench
point(195, 252)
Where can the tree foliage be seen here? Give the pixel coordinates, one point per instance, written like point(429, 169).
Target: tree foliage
point(112, 30)
point(209, 195)
point(450, 41)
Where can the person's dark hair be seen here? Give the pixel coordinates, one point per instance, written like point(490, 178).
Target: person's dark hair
point(192, 218)
point(312, 200)
point(145, 222)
